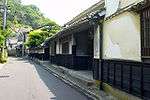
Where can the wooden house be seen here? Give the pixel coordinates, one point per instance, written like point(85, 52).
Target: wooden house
point(111, 38)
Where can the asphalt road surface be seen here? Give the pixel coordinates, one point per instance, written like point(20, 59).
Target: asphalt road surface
point(24, 80)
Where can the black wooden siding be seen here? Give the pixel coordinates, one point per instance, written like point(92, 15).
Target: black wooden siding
point(41, 56)
point(129, 76)
point(72, 61)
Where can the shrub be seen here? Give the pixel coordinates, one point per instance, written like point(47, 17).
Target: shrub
point(3, 56)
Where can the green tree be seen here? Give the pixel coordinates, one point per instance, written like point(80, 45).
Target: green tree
point(37, 37)
point(1, 40)
point(28, 15)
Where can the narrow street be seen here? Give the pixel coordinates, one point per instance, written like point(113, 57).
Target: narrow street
point(24, 80)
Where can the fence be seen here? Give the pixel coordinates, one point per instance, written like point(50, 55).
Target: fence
point(41, 56)
point(72, 61)
point(132, 77)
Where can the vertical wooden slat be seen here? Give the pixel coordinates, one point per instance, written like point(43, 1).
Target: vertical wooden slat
point(141, 18)
point(108, 68)
point(114, 81)
point(101, 70)
point(145, 32)
point(148, 36)
point(134, 73)
point(130, 81)
point(144, 25)
point(145, 40)
point(122, 76)
point(148, 26)
point(142, 92)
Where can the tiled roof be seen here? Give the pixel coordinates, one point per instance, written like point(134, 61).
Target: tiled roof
point(82, 17)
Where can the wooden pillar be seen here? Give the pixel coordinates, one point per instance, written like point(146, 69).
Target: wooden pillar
point(73, 45)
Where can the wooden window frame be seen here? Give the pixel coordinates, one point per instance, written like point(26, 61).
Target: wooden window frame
point(65, 47)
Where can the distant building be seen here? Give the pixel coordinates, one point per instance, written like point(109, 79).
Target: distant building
point(11, 46)
point(22, 38)
point(16, 45)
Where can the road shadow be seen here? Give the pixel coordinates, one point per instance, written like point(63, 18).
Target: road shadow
point(61, 90)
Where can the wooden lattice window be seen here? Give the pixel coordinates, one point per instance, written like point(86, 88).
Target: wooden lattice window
point(145, 34)
point(65, 48)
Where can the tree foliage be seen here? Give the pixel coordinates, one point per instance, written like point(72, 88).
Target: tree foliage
point(29, 16)
point(37, 37)
point(1, 40)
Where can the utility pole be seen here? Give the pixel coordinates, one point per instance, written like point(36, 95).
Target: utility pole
point(4, 24)
point(4, 14)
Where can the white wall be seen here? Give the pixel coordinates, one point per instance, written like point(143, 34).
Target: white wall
point(40, 50)
point(125, 3)
point(57, 47)
point(121, 39)
point(112, 6)
point(96, 42)
point(60, 48)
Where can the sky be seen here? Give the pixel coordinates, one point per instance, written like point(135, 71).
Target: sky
point(61, 11)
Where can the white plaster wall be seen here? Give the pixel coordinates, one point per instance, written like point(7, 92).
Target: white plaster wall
point(121, 39)
point(57, 47)
point(96, 42)
point(70, 44)
point(40, 51)
point(125, 3)
point(60, 48)
point(112, 6)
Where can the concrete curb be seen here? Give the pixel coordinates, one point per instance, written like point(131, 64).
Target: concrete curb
point(82, 90)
